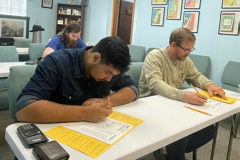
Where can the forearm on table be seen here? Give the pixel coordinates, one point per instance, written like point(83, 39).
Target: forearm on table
point(159, 87)
point(122, 96)
point(44, 111)
point(202, 82)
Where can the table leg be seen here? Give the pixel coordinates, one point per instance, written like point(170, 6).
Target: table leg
point(232, 134)
point(236, 122)
point(214, 141)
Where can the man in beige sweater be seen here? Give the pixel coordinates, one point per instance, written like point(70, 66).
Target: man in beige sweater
point(164, 72)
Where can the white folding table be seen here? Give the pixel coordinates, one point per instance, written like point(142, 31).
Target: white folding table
point(5, 66)
point(165, 121)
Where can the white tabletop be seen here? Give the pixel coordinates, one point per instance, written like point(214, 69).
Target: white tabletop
point(166, 121)
point(5, 66)
point(22, 50)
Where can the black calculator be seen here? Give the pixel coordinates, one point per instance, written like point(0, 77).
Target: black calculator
point(31, 135)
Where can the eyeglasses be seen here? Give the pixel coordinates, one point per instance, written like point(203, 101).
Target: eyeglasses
point(186, 50)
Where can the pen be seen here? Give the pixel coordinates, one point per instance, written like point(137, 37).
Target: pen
point(198, 110)
point(194, 88)
point(108, 100)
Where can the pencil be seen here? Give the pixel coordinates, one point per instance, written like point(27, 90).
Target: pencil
point(108, 100)
point(194, 88)
point(198, 110)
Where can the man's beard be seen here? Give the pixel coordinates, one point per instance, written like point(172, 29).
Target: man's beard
point(70, 43)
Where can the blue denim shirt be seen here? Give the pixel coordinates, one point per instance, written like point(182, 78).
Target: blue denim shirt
point(60, 78)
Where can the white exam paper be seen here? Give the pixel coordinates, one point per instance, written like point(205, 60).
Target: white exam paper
point(108, 130)
point(213, 104)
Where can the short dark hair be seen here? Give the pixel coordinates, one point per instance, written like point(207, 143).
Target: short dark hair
point(72, 27)
point(114, 51)
point(181, 34)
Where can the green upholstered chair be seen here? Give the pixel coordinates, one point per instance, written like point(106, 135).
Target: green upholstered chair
point(230, 81)
point(22, 42)
point(202, 64)
point(135, 71)
point(231, 76)
point(18, 78)
point(149, 50)
point(36, 50)
point(137, 53)
point(7, 54)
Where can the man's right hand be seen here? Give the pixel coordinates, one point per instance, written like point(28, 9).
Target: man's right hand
point(194, 98)
point(97, 111)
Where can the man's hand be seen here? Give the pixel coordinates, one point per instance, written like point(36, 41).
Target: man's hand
point(96, 109)
point(215, 90)
point(91, 101)
point(194, 98)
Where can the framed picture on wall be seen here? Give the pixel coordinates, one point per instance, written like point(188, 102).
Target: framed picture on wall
point(157, 16)
point(229, 21)
point(159, 2)
point(14, 26)
point(190, 20)
point(192, 4)
point(231, 4)
point(174, 9)
point(47, 4)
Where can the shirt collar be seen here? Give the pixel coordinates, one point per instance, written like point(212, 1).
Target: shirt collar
point(80, 69)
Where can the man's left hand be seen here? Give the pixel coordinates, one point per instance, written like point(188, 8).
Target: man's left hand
point(215, 90)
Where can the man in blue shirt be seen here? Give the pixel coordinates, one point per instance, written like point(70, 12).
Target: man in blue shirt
point(69, 37)
point(73, 84)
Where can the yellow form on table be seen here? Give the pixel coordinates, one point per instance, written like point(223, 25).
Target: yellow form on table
point(86, 144)
point(229, 100)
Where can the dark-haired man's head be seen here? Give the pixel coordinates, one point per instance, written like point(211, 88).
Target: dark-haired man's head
point(110, 56)
point(70, 34)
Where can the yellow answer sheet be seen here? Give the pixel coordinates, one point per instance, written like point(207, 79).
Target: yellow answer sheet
point(86, 144)
point(229, 100)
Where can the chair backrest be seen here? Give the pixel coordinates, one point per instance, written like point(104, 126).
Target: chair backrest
point(137, 53)
point(18, 78)
point(135, 71)
point(8, 54)
point(36, 50)
point(149, 50)
point(231, 76)
point(22, 42)
point(202, 63)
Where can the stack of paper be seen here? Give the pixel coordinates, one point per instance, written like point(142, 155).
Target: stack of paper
point(94, 138)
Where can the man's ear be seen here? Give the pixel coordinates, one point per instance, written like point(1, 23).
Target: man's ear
point(173, 44)
point(96, 58)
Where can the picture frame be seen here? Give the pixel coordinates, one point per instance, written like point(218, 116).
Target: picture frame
point(227, 4)
point(191, 20)
point(157, 17)
point(192, 4)
point(229, 23)
point(14, 26)
point(159, 2)
point(47, 4)
point(174, 11)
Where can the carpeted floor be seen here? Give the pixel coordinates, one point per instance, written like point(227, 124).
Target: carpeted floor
point(203, 153)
